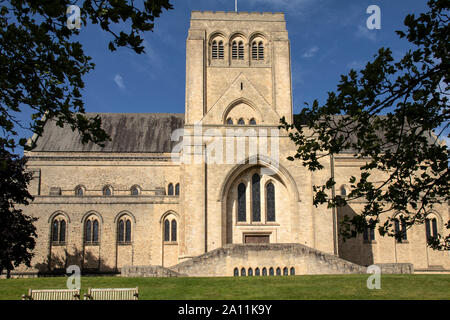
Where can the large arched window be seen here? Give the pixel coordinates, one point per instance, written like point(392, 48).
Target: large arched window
point(242, 210)
point(124, 230)
point(256, 197)
point(270, 202)
point(58, 234)
point(91, 231)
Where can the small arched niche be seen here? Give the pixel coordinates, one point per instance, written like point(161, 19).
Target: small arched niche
point(241, 110)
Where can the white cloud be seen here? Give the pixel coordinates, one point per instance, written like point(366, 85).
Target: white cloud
point(119, 81)
point(311, 52)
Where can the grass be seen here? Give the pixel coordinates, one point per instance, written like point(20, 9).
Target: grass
point(335, 287)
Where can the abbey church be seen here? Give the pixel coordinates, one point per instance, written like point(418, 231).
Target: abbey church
point(209, 192)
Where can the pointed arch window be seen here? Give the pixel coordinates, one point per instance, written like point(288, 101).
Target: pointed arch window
point(124, 230)
point(58, 234)
point(264, 271)
point(242, 209)
point(230, 121)
point(369, 234)
point(256, 197)
point(121, 231)
point(252, 122)
point(166, 230)
point(270, 202)
point(170, 230)
point(173, 233)
point(91, 231)
point(215, 50)
point(241, 122)
point(241, 50)
point(237, 50)
point(258, 51)
point(221, 50)
point(431, 228)
point(234, 51)
point(177, 189)
point(400, 228)
point(170, 189)
point(254, 51)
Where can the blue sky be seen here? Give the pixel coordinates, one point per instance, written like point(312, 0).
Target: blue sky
point(328, 38)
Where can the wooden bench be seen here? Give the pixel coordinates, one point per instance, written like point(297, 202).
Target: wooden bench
point(52, 294)
point(112, 294)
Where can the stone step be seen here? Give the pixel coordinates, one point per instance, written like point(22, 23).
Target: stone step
point(304, 260)
point(148, 272)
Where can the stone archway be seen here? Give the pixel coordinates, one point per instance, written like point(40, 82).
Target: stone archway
point(258, 226)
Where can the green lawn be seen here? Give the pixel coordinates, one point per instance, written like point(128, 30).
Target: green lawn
point(252, 288)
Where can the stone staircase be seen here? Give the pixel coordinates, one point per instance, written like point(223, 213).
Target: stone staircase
point(302, 259)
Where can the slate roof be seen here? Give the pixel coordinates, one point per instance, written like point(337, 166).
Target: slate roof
point(129, 132)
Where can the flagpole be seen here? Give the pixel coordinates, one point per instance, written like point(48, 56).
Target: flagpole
point(235, 6)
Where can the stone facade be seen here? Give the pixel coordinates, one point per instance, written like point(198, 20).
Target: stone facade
point(148, 200)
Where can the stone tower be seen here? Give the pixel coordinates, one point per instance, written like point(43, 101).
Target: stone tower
point(238, 75)
point(242, 56)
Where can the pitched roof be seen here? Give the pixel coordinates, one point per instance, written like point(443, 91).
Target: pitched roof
point(129, 132)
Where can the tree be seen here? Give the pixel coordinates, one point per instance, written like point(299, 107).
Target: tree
point(392, 115)
point(17, 232)
point(42, 70)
